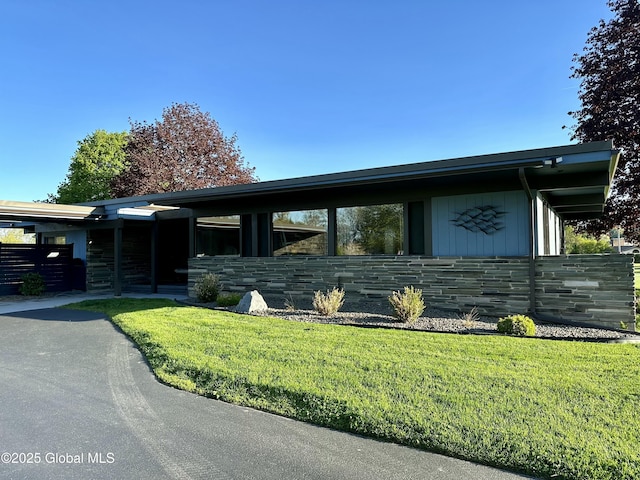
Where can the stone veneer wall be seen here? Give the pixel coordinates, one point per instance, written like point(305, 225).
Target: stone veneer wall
point(136, 260)
point(594, 289)
point(100, 263)
point(494, 285)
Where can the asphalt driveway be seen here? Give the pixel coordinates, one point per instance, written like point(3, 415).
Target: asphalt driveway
point(78, 401)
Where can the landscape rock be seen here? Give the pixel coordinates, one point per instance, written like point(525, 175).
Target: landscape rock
point(252, 302)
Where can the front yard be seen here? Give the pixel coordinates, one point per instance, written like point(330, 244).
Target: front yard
point(556, 409)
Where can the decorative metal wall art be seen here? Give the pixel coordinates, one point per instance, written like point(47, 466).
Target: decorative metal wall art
point(485, 219)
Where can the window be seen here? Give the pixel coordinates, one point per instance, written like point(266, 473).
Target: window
point(54, 240)
point(218, 236)
point(300, 233)
point(370, 230)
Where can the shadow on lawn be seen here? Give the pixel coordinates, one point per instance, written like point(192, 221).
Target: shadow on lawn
point(113, 307)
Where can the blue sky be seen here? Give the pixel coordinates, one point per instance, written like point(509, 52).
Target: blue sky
point(309, 87)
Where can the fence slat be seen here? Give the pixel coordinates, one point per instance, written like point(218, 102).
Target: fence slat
point(53, 262)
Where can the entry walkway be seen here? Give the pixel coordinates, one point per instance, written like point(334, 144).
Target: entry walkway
point(79, 401)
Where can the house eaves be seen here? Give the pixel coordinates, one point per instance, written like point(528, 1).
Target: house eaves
point(584, 171)
point(11, 212)
point(574, 179)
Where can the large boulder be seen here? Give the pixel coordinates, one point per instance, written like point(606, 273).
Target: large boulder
point(251, 302)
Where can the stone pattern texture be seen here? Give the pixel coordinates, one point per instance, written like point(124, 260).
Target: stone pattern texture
point(100, 261)
point(497, 286)
point(494, 285)
point(136, 262)
point(592, 289)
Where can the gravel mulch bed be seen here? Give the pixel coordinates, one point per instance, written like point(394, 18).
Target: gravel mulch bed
point(377, 314)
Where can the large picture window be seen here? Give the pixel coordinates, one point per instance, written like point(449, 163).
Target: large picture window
point(218, 236)
point(370, 230)
point(300, 233)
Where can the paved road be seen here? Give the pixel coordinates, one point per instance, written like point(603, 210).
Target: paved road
point(78, 402)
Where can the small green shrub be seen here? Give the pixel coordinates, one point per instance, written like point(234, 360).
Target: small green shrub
point(32, 284)
point(229, 299)
point(328, 304)
point(407, 306)
point(207, 288)
point(519, 325)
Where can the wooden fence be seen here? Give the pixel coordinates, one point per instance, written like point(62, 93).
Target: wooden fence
point(53, 262)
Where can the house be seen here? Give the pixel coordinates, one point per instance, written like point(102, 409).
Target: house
point(620, 245)
point(481, 231)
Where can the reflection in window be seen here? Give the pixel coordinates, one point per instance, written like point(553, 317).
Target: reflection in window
point(218, 236)
point(370, 230)
point(54, 240)
point(300, 233)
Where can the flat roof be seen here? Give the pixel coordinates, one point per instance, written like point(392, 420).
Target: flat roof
point(574, 180)
point(11, 211)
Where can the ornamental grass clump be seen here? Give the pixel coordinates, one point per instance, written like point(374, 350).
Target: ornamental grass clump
point(407, 306)
point(519, 325)
point(470, 318)
point(329, 303)
point(207, 288)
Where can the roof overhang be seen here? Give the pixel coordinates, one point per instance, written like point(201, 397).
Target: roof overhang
point(17, 212)
point(574, 179)
point(143, 212)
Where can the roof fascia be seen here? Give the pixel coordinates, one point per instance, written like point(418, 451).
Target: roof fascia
point(38, 211)
point(497, 161)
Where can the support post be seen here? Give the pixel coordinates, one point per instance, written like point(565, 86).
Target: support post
point(532, 240)
point(254, 235)
point(154, 257)
point(332, 232)
point(428, 227)
point(192, 236)
point(117, 259)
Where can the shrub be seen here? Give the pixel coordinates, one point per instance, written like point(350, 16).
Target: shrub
point(407, 306)
point(520, 325)
point(329, 303)
point(32, 284)
point(207, 288)
point(290, 303)
point(470, 318)
point(229, 299)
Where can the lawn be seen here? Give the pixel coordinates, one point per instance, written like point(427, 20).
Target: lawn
point(566, 410)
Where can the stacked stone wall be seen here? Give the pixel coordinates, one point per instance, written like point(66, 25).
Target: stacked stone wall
point(590, 289)
point(136, 261)
point(496, 286)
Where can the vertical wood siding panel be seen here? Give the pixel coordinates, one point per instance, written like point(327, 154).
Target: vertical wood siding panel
point(452, 240)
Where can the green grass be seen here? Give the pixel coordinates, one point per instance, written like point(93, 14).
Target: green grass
point(565, 410)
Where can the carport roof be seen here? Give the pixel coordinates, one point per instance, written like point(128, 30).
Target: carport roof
point(11, 211)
